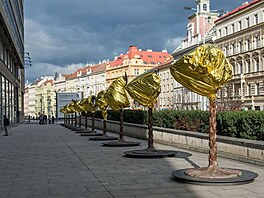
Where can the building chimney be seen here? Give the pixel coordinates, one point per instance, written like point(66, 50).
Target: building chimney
point(245, 3)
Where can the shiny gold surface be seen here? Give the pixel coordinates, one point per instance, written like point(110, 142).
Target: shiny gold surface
point(101, 103)
point(116, 95)
point(203, 71)
point(145, 88)
point(88, 104)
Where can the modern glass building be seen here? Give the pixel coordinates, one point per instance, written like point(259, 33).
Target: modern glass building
point(11, 60)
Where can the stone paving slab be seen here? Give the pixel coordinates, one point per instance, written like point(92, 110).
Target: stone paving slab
point(50, 161)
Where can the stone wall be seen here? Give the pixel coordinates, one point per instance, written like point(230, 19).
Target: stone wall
point(239, 149)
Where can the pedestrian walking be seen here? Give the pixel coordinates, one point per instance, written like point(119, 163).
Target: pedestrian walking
point(6, 123)
point(52, 119)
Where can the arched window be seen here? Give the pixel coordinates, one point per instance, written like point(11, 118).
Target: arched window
point(204, 7)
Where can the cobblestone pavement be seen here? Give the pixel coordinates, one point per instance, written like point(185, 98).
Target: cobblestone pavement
point(51, 161)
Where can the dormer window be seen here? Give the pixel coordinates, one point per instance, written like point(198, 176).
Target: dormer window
point(204, 7)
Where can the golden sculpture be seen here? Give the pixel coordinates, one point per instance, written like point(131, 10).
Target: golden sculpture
point(145, 88)
point(88, 104)
point(101, 103)
point(204, 71)
point(116, 95)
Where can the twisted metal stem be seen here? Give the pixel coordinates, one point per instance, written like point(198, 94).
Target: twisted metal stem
point(80, 120)
point(121, 133)
point(75, 119)
point(212, 135)
point(85, 120)
point(92, 122)
point(150, 130)
point(104, 129)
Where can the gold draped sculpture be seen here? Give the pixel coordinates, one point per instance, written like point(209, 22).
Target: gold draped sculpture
point(203, 71)
point(145, 88)
point(116, 95)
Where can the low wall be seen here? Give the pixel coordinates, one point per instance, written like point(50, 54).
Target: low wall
point(239, 149)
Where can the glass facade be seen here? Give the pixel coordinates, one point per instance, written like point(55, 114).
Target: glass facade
point(7, 102)
point(11, 61)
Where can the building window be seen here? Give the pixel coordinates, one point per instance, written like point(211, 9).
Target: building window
point(257, 39)
point(232, 28)
point(226, 31)
point(247, 22)
point(136, 72)
point(240, 46)
point(233, 49)
point(239, 25)
point(219, 33)
point(248, 90)
point(256, 19)
point(248, 66)
point(234, 70)
point(257, 89)
point(256, 65)
point(204, 7)
point(248, 44)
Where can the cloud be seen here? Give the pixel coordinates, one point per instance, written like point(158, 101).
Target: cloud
point(64, 32)
point(172, 43)
point(45, 69)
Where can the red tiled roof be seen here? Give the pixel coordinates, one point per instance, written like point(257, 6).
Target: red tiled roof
point(98, 67)
point(238, 9)
point(147, 56)
point(49, 81)
point(71, 76)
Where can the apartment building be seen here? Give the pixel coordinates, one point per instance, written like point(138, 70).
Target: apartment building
point(240, 34)
point(96, 80)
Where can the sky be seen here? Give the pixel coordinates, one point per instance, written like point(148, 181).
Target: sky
point(64, 35)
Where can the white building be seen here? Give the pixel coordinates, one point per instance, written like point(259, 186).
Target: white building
point(96, 79)
point(240, 34)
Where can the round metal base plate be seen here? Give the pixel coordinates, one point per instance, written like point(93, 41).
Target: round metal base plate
point(150, 154)
point(103, 138)
point(246, 177)
point(120, 144)
point(91, 134)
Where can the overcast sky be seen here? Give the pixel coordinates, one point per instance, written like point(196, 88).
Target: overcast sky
point(62, 35)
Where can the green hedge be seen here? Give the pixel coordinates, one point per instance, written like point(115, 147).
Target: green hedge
point(130, 116)
point(240, 124)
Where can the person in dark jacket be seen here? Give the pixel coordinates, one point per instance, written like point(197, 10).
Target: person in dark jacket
point(6, 123)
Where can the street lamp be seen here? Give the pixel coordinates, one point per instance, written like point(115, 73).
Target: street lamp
point(27, 59)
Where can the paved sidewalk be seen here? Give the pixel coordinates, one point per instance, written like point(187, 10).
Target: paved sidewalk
point(51, 161)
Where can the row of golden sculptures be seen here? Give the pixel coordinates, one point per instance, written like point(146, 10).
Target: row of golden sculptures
point(204, 71)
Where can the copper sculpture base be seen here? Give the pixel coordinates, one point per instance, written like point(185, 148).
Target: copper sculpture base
point(222, 176)
point(150, 153)
point(103, 138)
point(120, 143)
point(213, 173)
